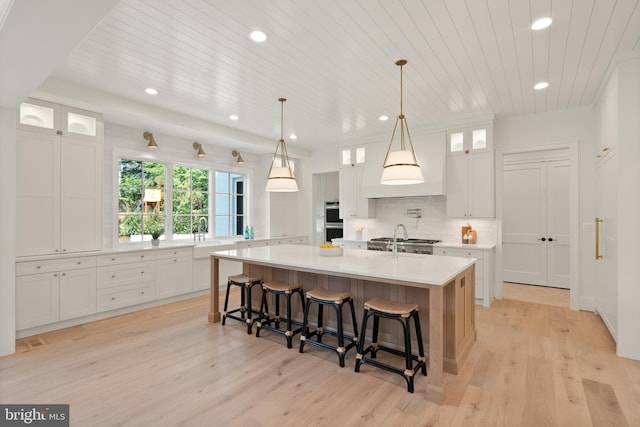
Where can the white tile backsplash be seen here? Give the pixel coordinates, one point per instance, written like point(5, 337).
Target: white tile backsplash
point(433, 224)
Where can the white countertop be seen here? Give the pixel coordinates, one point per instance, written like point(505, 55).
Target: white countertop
point(205, 245)
point(409, 268)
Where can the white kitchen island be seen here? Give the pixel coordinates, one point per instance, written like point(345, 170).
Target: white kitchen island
point(443, 288)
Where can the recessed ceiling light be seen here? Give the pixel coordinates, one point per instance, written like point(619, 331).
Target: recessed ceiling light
point(541, 85)
point(234, 117)
point(541, 23)
point(293, 136)
point(257, 36)
point(383, 118)
point(151, 91)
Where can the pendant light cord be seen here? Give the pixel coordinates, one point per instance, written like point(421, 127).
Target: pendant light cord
point(401, 115)
point(282, 117)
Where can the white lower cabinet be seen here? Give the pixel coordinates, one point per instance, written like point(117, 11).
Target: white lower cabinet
point(123, 280)
point(37, 300)
point(59, 288)
point(484, 270)
point(77, 293)
point(173, 272)
point(201, 274)
point(49, 291)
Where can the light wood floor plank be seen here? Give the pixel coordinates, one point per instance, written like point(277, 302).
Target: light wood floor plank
point(603, 405)
point(540, 401)
point(532, 364)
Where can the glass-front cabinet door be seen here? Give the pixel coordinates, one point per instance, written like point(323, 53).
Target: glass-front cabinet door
point(466, 141)
point(50, 118)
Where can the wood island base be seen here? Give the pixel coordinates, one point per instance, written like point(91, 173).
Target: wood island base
point(451, 310)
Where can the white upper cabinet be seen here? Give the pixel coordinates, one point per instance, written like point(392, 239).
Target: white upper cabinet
point(352, 203)
point(470, 173)
point(430, 153)
point(59, 182)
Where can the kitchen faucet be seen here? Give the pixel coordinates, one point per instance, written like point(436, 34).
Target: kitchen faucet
point(201, 232)
point(395, 240)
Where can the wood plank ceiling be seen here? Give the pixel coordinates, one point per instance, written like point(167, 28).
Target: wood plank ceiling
point(334, 60)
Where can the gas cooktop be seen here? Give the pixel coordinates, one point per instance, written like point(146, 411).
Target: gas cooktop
point(417, 241)
point(416, 246)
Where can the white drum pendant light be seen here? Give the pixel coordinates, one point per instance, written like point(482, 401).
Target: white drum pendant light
point(281, 176)
point(401, 167)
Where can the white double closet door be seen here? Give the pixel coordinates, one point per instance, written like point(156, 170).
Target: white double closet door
point(535, 228)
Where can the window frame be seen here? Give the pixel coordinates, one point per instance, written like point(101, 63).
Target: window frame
point(230, 215)
point(143, 214)
point(211, 204)
point(127, 154)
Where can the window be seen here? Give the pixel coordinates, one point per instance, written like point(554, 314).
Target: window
point(230, 206)
point(141, 200)
point(145, 211)
point(190, 201)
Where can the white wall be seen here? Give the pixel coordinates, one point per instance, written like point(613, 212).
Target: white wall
point(557, 128)
point(7, 231)
point(628, 209)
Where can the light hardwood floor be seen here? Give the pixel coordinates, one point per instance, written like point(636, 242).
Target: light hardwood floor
point(532, 365)
point(537, 294)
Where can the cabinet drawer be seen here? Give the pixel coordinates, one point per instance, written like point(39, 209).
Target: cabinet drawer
point(174, 253)
point(353, 245)
point(109, 299)
point(174, 260)
point(293, 241)
point(125, 258)
point(52, 265)
point(468, 253)
point(109, 277)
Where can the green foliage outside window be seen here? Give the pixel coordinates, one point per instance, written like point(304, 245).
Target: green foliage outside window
point(190, 200)
point(141, 196)
point(141, 201)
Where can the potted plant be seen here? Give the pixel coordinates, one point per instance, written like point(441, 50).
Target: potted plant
point(154, 225)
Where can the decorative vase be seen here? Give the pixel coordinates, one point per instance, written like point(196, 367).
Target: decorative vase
point(155, 242)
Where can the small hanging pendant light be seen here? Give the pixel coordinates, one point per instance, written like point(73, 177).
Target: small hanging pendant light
point(401, 167)
point(280, 177)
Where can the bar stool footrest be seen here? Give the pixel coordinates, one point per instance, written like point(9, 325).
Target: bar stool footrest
point(352, 341)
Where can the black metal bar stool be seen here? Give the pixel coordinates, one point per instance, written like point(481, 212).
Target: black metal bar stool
point(322, 297)
point(246, 284)
point(378, 308)
point(278, 288)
